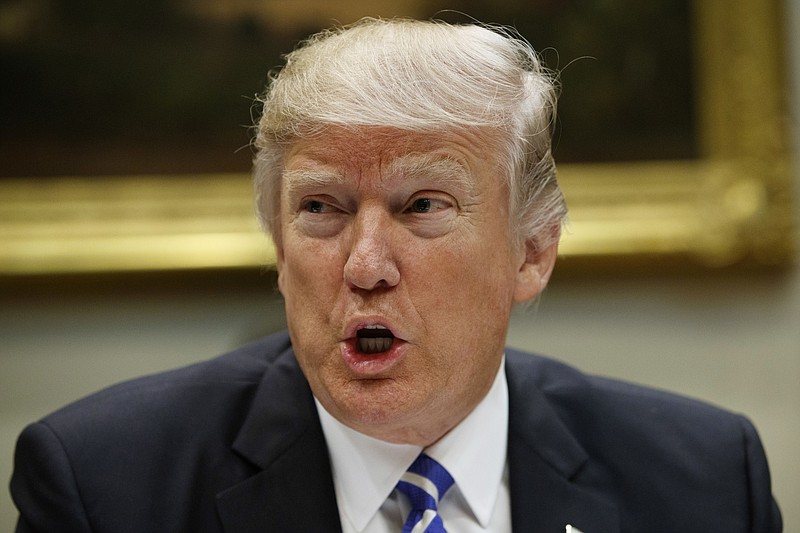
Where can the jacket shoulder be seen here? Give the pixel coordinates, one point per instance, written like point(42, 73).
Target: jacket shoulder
point(647, 449)
point(238, 369)
point(572, 392)
point(104, 457)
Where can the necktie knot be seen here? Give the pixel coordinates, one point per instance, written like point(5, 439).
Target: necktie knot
point(425, 482)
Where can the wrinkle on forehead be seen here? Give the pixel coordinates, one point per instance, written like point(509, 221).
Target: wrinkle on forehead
point(339, 156)
point(443, 169)
point(436, 167)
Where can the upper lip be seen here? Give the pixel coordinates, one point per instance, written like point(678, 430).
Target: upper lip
point(356, 324)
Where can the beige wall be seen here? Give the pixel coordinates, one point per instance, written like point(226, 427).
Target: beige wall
point(731, 339)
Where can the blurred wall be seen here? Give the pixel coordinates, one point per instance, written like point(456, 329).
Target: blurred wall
point(731, 339)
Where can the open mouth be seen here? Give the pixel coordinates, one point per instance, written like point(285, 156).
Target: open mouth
point(374, 339)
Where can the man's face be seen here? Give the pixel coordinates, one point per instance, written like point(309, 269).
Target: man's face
point(399, 271)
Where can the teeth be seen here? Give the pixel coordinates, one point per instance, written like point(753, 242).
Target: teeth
point(374, 339)
point(370, 345)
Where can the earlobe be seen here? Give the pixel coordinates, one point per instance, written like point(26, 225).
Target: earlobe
point(279, 263)
point(279, 268)
point(534, 273)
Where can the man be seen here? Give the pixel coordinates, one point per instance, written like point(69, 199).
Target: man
point(404, 172)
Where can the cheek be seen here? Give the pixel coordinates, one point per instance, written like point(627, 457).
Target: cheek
point(306, 260)
point(309, 279)
point(479, 264)
point(473, 300)
point(309, 295)
point(462, 285)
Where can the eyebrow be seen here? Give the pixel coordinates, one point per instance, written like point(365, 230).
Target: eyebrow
point(412, 166)
point(443, 170)
point(299, 179)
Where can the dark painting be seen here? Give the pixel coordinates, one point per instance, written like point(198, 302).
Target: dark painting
point(116, 87)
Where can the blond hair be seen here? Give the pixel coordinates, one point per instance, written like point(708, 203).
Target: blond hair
point(420, 76)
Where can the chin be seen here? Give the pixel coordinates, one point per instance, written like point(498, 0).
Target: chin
point(376, 408)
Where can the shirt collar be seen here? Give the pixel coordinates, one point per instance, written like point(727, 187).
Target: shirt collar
point(366, 470)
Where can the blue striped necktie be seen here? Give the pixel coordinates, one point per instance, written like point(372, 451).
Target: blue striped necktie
point(425, 482)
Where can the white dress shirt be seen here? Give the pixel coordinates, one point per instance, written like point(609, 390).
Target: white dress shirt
point(366, 470)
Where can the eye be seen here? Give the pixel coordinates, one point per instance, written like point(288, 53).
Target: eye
point(319, 216)
point(314, 206)
point(317, 207)
point(421, 205)
point(428, 204)
point(430, 214)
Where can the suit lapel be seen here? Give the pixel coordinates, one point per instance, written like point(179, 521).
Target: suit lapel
point(281, 435)
point(546, 463)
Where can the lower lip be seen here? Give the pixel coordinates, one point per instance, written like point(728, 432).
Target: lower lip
point(372, 365)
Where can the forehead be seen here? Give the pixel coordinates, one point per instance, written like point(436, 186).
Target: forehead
point(387, 151)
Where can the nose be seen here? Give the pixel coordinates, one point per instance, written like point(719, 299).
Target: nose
point(371, 264)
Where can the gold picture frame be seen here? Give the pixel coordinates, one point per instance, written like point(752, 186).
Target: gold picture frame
point(731, 206)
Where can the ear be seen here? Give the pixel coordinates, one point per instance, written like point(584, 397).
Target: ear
point(535, 271)
point(278, 247)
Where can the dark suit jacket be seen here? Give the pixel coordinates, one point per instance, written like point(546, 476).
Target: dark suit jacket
point(235, 445)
